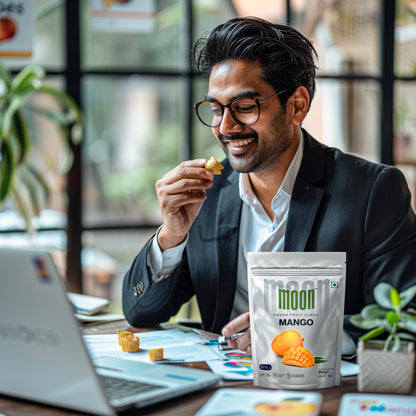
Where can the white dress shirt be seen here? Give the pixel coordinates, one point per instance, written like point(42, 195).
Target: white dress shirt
point(257, 233)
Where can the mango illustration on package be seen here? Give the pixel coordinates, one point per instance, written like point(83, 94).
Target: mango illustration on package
point(286, 339)
point(299, 357)
point(289, 345)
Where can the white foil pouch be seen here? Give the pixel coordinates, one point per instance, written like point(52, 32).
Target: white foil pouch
point(296, 303)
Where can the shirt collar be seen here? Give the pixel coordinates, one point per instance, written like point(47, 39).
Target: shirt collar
point(246, 192)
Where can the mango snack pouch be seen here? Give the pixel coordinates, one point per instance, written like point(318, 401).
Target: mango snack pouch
point(296, 303)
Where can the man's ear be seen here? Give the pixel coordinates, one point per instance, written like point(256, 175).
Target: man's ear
point(299, 105)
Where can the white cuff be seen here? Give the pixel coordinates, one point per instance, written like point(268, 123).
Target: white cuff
point(163, 264)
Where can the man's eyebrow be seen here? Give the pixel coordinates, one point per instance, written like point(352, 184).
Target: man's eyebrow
point(247, 93)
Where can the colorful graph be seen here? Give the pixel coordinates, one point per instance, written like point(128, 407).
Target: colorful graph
point(238, 356)
point(239, 366)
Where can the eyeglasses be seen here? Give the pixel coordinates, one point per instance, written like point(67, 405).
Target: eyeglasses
point(244, 110)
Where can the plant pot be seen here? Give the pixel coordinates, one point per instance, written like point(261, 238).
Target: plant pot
point(385, 371)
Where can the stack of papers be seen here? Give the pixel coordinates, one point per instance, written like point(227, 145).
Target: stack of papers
point(182, 347)
point(178, 347)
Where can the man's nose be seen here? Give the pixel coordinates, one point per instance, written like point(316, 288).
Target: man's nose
point(229, 124)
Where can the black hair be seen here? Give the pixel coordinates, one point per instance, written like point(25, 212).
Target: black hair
point(285, 55)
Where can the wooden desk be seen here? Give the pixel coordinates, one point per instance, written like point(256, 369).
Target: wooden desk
point(183, 406)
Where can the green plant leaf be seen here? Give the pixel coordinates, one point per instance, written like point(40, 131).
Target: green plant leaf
point(406, 336)
point(34, 189)
point(373, 312)
point(408, 323)
point(28, 78)
point(73, 112)
point(7, 167)
point(407, 295)
point(21, 134)
point(372, 334)
point(8, 115)
point(40, 181)
point(382, 295)
point(360, 322)
point(392, 317)
point(394, 297)
point(17, 177)
point(24, 204)
point(6, 77)
point(59, 118)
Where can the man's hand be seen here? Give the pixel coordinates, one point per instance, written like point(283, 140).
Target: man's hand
point(181, 193)
point(239, 324)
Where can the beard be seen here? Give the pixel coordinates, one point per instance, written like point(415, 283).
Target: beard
point(263, 153)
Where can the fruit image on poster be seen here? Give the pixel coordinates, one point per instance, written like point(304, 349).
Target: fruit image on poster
point(16, 31)
point(8, 28)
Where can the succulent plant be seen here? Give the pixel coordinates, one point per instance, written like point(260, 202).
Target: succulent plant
point(18, 177)
point(388, 316)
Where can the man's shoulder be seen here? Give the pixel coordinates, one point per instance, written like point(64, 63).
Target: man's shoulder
point(339, 160)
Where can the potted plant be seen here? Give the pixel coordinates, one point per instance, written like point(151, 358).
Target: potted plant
point(19, 177)
point(387, 365)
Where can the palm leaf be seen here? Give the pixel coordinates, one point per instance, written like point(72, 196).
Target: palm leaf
point(21, 134)
point(8, 116)
point(25, 183)
point(73, 112)
point(57, 117)
point(24, 204)
point(7, 166)
point(34, 190)
point(28, 78)
point(6, 77)
point(40, 181)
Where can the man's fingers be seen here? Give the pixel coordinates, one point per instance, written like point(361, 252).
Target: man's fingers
point(175, 202)
point(243, 343)
point(188, 169)
point(238, 324)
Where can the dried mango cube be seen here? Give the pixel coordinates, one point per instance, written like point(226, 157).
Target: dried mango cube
point(132, 345)
point(124, 335)
point(156, 354)
point(128, 342)
point(216, 166)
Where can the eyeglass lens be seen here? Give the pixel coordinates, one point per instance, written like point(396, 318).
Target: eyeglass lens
point(244, 110)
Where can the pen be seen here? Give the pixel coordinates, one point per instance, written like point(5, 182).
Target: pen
point(223, 340)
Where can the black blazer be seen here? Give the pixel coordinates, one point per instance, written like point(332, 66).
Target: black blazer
point(339, 203)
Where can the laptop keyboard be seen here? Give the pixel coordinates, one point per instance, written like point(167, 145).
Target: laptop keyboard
point(117, 388)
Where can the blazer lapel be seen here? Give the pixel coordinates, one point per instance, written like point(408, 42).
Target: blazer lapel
point(307, 195)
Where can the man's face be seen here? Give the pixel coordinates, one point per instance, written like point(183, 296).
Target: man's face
point(257, 147)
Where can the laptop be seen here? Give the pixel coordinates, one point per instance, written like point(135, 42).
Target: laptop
point(43, 356)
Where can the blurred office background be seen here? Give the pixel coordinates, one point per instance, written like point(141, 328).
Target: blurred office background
point(137, 90)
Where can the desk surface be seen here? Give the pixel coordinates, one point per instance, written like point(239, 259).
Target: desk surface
point(183, 406)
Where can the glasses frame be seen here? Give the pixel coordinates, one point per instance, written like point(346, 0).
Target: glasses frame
point(224, 106)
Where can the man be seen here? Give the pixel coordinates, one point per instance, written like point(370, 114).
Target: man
point(280, 190)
